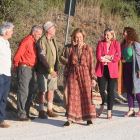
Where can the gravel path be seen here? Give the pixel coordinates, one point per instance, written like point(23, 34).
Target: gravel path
point(119, 128)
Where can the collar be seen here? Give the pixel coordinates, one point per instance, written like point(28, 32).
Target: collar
point(31, 38)
point(50, 38)
point(2, 39)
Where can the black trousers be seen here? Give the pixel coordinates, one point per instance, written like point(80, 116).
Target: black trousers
point(110, 87)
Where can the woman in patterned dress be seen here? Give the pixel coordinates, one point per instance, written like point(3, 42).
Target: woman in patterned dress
point(81, 77)
point(131, 68)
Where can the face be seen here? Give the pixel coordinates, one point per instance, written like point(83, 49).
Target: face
point(10, 32)
point(52, 31)
point(79, 40)
point(124, 34)
point(36, 34)
point(108, 36)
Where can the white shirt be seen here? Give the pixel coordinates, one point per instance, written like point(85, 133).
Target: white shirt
point(5, 57)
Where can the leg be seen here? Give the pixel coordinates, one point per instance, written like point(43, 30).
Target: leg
point(127, 73)
point(110, 91)
point(65, 96)
point(42, 85)
point(138, 99)
point(23, 77)
point(4, 91)
point(129, 84)
point(50, 95)
point(31, 91)
point(41, 98)
point(52, 85)
point(110, 97)
point(101, 83)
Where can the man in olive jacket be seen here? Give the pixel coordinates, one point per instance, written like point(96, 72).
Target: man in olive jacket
point(47, 66)
point(64, 60)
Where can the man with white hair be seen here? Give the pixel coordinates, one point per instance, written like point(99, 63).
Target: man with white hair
point(24, 62)
point(6, 31)
point(46, 69)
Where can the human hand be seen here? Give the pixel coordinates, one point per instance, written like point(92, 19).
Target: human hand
point(93, 82)
point(108, 57)
point(53, 74)
point(106, 60)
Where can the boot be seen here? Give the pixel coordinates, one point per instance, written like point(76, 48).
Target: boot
point(42, 115)
point(50, 113)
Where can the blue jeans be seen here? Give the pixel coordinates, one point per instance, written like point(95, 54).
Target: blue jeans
point(4, 91)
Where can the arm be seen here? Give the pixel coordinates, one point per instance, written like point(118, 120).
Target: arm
point(98, 52)
point(20, 52)
point(69, 62)
point(117, 56)
point(62, 57)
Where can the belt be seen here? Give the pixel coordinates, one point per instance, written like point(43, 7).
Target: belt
point(24, 65)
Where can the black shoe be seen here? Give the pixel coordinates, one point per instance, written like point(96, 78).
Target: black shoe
point(67, 124)
point(66, 114)
point(89, 123)
point(31, 118)
point(23, 119)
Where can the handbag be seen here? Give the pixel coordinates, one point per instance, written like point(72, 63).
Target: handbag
point(95, 96)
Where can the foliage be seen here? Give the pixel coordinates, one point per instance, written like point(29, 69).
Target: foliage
point(92, 15)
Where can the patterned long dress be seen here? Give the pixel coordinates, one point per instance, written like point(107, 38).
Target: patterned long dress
point(79, 85)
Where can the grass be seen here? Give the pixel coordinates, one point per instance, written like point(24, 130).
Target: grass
point(92, 15)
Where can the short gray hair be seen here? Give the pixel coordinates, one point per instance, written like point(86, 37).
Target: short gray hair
point(5, 26)
point(36, 28)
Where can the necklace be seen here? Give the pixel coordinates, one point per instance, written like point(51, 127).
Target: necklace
point(78, 53)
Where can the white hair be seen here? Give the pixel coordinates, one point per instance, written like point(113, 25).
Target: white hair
point(36, 28)
point(5, 26)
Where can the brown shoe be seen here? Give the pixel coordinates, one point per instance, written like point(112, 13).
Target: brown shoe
point(4, 125)
point(50, 113)
point(23, 119)
point(42, 115)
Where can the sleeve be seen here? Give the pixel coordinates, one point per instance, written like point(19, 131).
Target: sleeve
point(41, 49)
point(69, 62)
point(91, 65)
point(62, 57)
point(98, 52)
point(20, 52)
point(117, 57)
point(137, 54)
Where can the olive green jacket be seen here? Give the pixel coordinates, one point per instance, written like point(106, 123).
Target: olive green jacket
point(40, 68)
point(64, 55)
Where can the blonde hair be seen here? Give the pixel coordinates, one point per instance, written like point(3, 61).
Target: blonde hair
point(112, 33)
point(78, 30)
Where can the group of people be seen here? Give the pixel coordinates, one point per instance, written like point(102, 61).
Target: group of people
point(39, 52)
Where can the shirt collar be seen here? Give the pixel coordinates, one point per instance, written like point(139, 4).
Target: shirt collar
point(2, 39)
point(49, 39)
point(31, 38)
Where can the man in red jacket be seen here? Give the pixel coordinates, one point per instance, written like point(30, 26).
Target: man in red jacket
point(24, 61)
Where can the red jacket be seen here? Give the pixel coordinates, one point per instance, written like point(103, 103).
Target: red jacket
point(115, 50)
point(26, 53)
